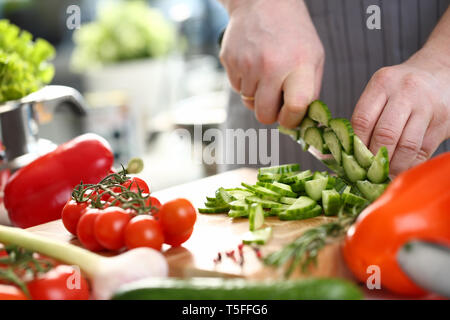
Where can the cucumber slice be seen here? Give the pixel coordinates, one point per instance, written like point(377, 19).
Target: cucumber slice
point(260, 236)
point(277, 211)
point(214, 210)
point(285, 168)
point(240, 193)
point(344, 131)
point(212, 199)
point(289, 178)
point(333, 144)
point(210, 204)
point(303, 176)
point(265, 203)
point(371, 191)
point(362, 154)
point(314, 188)
point(319, 175)
point(313, 137)
point(287, 200)
point(340, 185)
point(263, 191)
point(256, 216)
point(331, 201)
point(238, 213)
point(379, 170)
point(269, 177)
point(239, 205)
point(281, 188)
point(352, 169)
point(224, 195)
point(306, 123)
point(294, 133)
point(351, 199)
point(314, 212)
point(301, 205)
point(319, 112)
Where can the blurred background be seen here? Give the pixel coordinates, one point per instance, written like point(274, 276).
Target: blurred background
point(144, 68)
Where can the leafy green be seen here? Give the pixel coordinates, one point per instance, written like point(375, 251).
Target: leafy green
point(123, 31)
point(24, 66)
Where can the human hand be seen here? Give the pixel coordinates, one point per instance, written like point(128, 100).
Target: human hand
point(406, 108)
point(272, 53)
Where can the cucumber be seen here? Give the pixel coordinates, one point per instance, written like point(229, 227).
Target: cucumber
point(305, 124)
point(362, 154)
point(285, 168)
point(351, 199)
point(300, 206)
point(238, 289)
point(294, 133)
point(331, 202)
point(215, 204)
point(238, 213)
point(319, 175)
point(263, 191)
point(352, 169)
point(340, 185)
point(379, 170)
point(289, 178)
point(214, 210)
point(344, 131)
point(313, 137)
point(255, 216)
point(319, 112)
point(333, 144)
point(240, 193)
point(371, 191)
point(314, 212)
point(224, 196)
point(269, 177)
point(277, 211)
point(239, 205)
point(315, 187)
point(281, 188)
point(265, 203)
point(260, 236)
point(287, 200)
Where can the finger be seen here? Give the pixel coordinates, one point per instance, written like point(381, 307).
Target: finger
point(299, 92)
point(248, 90)
point(268, 100)
point(390, 125)
point(232, 73)
point(368, 110)
point(410, 142)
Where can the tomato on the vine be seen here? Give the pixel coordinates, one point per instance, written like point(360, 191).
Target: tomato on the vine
point(72, 213)
point(60, 283)
point(177, 216)
point(10, 292)
point(109, 227)
point(85, 230)
point(144, 231)
point(136, 184)
point(154, 202)
point(176, 240)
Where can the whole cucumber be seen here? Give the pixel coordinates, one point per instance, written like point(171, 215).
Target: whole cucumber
point(238, 289)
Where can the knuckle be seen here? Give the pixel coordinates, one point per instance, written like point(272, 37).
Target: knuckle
point(408, 146)
point(422, 155)
point(268, 62)
point(384, 75)
point(385, 136)
point(411, 82)
point(245, 64)
point(360, 122)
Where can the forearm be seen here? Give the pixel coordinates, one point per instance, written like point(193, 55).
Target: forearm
point(439, 39)
point(231, 5)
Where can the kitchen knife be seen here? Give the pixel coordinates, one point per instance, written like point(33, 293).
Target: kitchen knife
point(427, 264)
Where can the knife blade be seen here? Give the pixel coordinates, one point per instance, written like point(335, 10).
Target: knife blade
point(427, 264)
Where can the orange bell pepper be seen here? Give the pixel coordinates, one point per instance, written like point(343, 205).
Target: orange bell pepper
point(416, 205)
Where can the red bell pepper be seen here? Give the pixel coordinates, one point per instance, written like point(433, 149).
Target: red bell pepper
point(416, 205)
point(37, 192)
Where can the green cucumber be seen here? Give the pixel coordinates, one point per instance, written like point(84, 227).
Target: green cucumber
point(340, 185)
point(281, 188)
point(214, 210)
point(344, 131)
point(352, 169)
point(240, 193)
point(300, 215)
point(313, 137)
point(305, 124)
point(238, 289)
point(269, 177)
point(285, 168)
point(362, 154)
point(238, 213)
point(277, 211)
point(265, 203)
point(351, 199)
point(315, 187)
point(379, 170)
point(300, 206)
point(319, 112)
point(333, 144)
point(255, 216)
point(371, 191)
point(239, 205)
point(260, 236)
point(210, 204)
point(263, 191)
point(294, 133)
point(224, 195)
point(289, 177)
point(287, 200)
point(331, 201)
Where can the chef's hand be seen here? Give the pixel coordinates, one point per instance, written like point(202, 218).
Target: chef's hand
point(271, 51)
point(406, 107)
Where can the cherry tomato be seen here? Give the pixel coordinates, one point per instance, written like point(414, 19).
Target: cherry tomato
point(135, 184)
point(144, 231)
point(72, 213)
point(9, 292)
point(60, 283)
point(152, 201)
point(85, 230)
point(177, 216)
point(177, 239)
point(109, 227)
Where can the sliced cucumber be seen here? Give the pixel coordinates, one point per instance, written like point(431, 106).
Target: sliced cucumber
point(260, 236)
point(352, 169)
point(331, 202)
point(340, 185)
point(289, 178)
point(239, 205)
point(240, 193)
point(214, 210)
point(315, 187)
point(371, 191)
point(320, 175)
point(351, 199)
point(379, 170)
point(215, 204)
point(319, 112)
point(285, 168)
point(287, 200)
point(344, 131)
point(263, 202)
point(269, 177)
point(362, 154)
point(277, 211)
point(300, 215)
point(256, 216)
point(263, 191)
point(224, 195)
point(306, 123)
point(281, 188)
point(301, 205)
point(313, 137)
point(333, 144)
point(238, 213)
point(294, 133)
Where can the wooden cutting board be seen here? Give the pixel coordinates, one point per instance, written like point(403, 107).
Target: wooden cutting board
point(214, 233)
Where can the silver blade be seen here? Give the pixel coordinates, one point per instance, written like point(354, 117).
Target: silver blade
point(428, 265)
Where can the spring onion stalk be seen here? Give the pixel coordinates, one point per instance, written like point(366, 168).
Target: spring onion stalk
point(106, 274)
